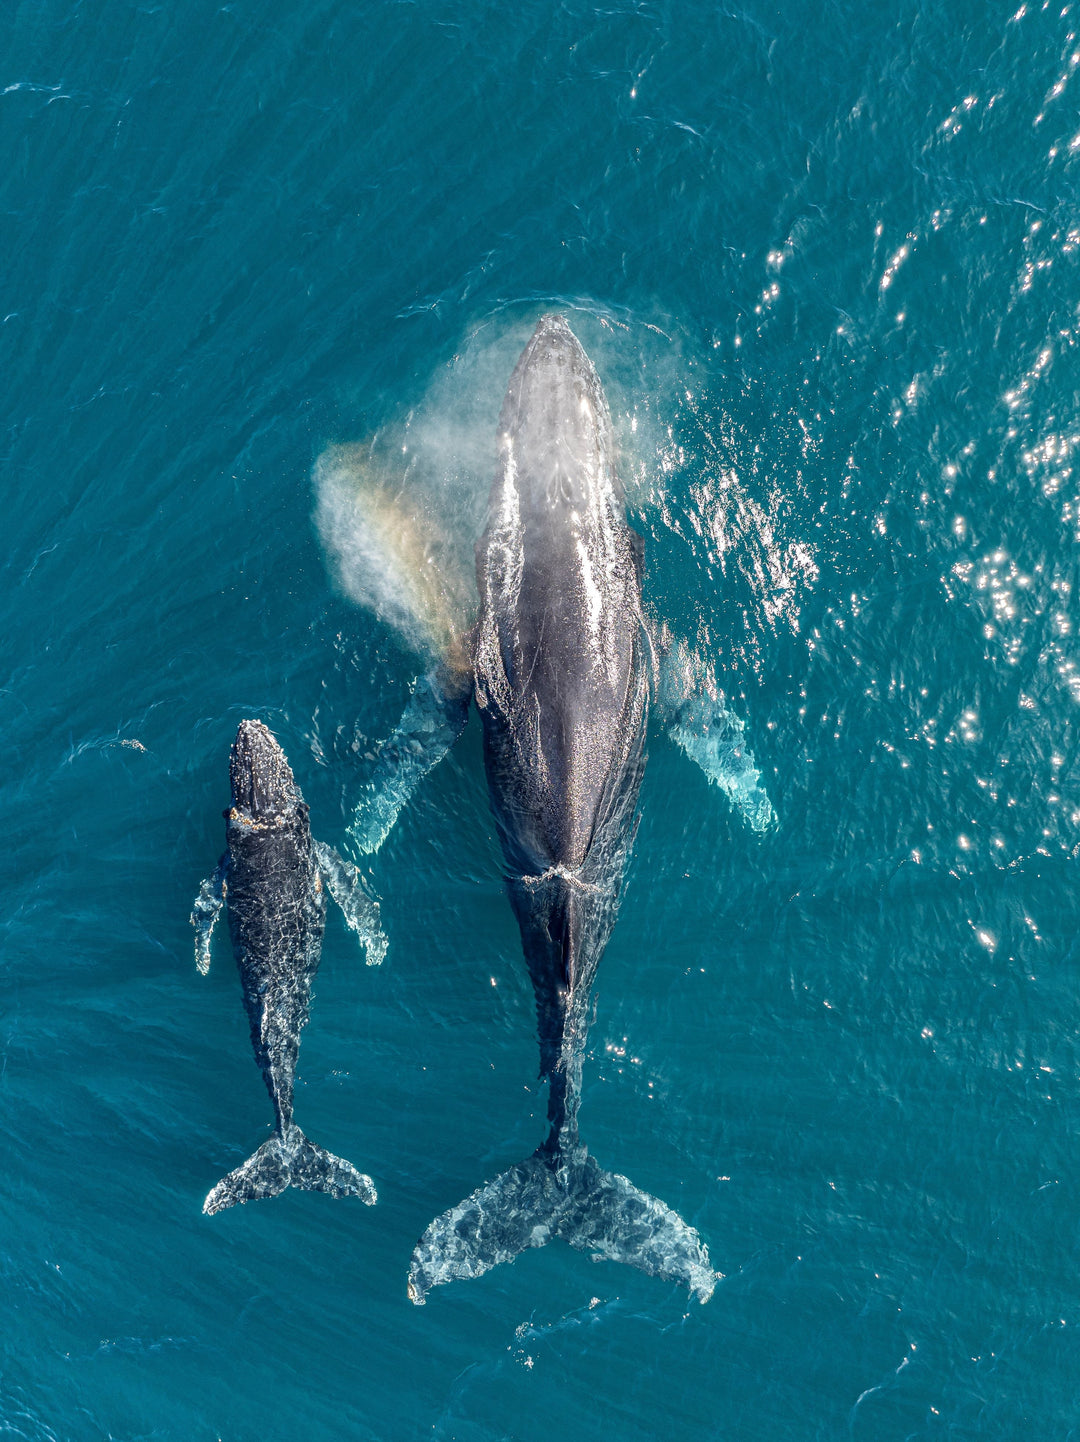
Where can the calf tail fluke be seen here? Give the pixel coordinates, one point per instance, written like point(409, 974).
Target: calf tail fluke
point(548, 1196)
point(289, 1161)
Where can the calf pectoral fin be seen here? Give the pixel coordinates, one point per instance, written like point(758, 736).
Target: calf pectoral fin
point(205, 912)
point(433, 720)
point(358, 906)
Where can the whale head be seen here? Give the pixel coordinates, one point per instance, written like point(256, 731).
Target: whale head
point(555, 437)
point(263, 789)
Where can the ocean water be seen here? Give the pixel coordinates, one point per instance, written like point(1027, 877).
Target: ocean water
point(826, 260)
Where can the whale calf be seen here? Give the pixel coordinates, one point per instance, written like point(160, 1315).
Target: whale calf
point(273, 879)
point(560, 672)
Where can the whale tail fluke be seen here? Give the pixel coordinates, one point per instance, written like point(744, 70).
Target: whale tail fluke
point(289, 1161)
point(547, 1196)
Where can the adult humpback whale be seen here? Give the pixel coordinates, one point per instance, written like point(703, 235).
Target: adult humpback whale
point(272, 875)
point(561, 663)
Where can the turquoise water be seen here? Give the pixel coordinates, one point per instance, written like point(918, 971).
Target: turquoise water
point(825, 260)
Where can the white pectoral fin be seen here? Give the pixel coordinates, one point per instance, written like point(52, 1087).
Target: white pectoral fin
point(358, 906)
point(433, 720)
point(205, 912)
point(715, 738)
point(699, 721)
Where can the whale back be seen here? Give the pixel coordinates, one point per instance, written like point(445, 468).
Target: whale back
point(276, 904)
point(560, 673)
